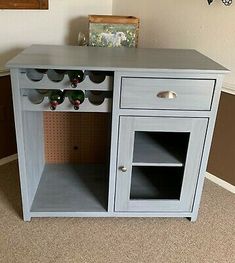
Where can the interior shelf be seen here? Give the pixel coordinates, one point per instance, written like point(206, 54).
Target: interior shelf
point(156, 182)
point(159, 149)
point(72, 188)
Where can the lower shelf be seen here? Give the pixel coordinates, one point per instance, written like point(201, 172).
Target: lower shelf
point(72, 188)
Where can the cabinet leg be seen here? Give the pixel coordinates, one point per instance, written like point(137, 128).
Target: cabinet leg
point(192, 219)
point(27, 218)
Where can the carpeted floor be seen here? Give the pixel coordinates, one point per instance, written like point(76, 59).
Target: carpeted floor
point(211, 239)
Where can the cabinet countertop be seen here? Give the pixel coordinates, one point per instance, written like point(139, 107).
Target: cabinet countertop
point(118, 59)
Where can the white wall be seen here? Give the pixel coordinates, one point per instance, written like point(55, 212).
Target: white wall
point(168, 23)
point(58, 25)
point(186, 24)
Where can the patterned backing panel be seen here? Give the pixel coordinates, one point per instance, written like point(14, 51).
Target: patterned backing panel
point(76, 137)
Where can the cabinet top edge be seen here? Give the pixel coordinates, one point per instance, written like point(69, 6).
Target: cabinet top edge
point(115, 59)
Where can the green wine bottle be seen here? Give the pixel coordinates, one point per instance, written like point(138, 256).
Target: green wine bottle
point(75, 77)
point(76, 97)
point(56, 98)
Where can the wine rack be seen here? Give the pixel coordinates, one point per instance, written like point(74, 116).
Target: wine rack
point(66, 106)
point(137, 142)
point(43, 82)
point(93, 81)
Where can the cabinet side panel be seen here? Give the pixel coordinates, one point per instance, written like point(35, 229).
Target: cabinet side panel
point(24, 184)
point(207, 146)
point(34, 150)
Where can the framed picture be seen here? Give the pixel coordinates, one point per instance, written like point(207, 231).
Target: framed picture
point(113, 31)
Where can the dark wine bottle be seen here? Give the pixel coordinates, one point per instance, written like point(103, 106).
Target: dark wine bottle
point(75, 77)
point(56, 98)
point(76, 97)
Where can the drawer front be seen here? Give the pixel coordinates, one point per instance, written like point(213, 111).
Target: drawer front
point(170, 94)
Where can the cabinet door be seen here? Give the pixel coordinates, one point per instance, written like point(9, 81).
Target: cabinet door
point(158, 163)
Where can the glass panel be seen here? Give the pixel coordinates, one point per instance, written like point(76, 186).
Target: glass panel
point(156, 182)
point(158, 165)
point(163, 148)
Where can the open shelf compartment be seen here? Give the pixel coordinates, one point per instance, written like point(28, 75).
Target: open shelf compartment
point(72, 188)
point(67, 161)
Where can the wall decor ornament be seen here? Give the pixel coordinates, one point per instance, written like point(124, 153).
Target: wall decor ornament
point(225, 2)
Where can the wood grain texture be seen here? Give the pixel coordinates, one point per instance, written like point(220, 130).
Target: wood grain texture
point(23, 4)
point(66, 106)
point(34, 150)
point(70, 188)
point(113, 19)
point(191, 94)
point(136, 63)
point(24, 180)
point(128, 126)
point(119, 59)
point(65, 83)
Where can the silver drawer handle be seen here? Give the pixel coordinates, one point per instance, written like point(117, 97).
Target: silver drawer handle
point(167, 95)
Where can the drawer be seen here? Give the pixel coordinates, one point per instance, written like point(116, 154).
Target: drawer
point(170, 94)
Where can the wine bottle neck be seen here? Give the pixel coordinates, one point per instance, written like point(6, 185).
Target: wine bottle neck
point(53, 104)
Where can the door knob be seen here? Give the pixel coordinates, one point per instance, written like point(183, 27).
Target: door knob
point(123, 169)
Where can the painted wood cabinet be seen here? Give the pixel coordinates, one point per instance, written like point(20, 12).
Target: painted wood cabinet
point(139, 149)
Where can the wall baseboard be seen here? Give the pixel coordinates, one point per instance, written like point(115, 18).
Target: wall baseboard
point(228, 88)
point(220, 182)
point(4, 72)
point(8, 159)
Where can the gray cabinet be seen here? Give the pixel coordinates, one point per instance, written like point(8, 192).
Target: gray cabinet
point(158, 163)
point(139, 150)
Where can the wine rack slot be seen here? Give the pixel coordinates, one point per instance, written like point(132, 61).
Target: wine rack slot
point(34, 75)
point(86, 106)
point(59, 79)
point(55, 75)
point(96, 76)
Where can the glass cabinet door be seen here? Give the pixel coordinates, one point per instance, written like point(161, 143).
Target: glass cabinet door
point(158, 163)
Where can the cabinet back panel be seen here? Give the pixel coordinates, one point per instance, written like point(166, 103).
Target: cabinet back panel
point(76, 137)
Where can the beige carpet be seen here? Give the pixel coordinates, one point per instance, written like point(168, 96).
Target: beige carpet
point(210, 239)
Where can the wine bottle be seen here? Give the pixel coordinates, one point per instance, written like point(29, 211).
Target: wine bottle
point(75, 77)
point(76, 97)
point(56, 98)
